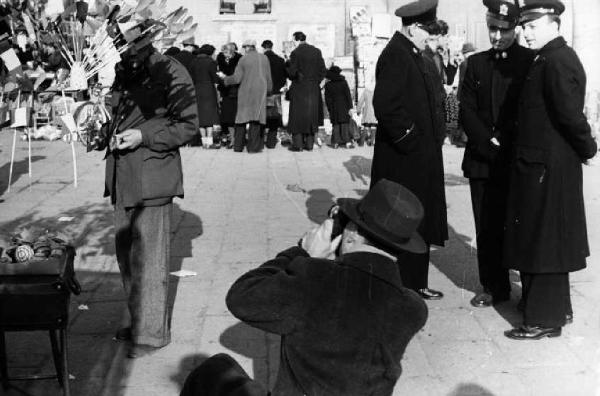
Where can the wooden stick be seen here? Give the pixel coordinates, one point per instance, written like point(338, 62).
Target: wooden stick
point(74, 162)
point(12, 159)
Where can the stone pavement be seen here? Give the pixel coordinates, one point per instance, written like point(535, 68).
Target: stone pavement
point(240, 210)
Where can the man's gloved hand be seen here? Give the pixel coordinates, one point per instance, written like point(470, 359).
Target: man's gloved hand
point(317, 242)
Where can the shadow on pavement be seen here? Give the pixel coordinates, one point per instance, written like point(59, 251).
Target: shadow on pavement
point(97, 362)
point(359, 169)
point(318, 203)
point(470, 390)
point(458, 262)
point(261, 347)
point(20, 168)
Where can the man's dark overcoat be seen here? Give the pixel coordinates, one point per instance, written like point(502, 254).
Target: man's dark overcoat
point(338, 99)
point(162, 104)
point(278, 71)
point(407, 98)
point(545, 226)
point(306, 69)
point(489, 106)
point(344, 324)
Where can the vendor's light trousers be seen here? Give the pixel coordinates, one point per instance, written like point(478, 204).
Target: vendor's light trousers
point(142, 238)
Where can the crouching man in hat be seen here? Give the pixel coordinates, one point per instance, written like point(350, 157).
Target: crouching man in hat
point(545, 233)
point(344, 322)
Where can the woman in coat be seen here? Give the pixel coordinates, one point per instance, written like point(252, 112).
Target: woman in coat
point(206, 93)
point(339, 104)
point(227, 61)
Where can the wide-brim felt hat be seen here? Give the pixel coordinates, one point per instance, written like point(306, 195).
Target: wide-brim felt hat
point(389, 215)
point(534, 9)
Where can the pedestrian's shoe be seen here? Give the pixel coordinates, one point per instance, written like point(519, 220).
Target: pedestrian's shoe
point(334, 146)
point(486, 299)
point(569, 318)
point(430, 294)
point(123, 334)
point(295, 149)
point(349, 145)
point(533, 332)
point(136, 351)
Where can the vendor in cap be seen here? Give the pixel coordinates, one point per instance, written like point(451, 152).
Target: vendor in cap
point(488, 111)
point(411, 131)
point(545, 234)
point(345, 322)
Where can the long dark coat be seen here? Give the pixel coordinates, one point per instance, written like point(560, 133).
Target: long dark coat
point(205, 78)
point(160, 103)
point(278, 71)
point(228, 92)
point(338, 99)
point(306, 69)
point(407, 97)
point(489, 107)
point(345, 324)
point(545, 226)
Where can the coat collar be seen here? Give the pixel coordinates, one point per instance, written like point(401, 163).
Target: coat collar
point(374, 264)
point(403, 41)
point(557, 43)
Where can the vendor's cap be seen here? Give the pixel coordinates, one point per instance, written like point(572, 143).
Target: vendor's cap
point(389, 214)
point(249, 43)
point(502, 13)
point(534, 9)
point(417, 11)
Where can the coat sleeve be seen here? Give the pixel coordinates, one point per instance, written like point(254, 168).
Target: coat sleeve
point(179, 123)
point(329, 98)
point(237, 76)
point(390, 97)
point(292, 66)
point(268, 75)
point(477, 132)
point(272, 296)
point(565, 90)
point(213, 73)
point(322, 67)
point(348, 96)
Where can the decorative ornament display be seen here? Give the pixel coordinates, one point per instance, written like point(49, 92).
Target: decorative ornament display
point(24, 253)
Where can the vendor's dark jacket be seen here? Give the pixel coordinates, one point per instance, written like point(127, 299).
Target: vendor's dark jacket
point(408, 97)
point(338, 98)
point(489, 105)
point(161, 103)
point(344, 324)
point(546, 226)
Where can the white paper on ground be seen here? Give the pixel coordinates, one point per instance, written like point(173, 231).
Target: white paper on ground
point(11, 60)
point(65, 218)
point(184, 273)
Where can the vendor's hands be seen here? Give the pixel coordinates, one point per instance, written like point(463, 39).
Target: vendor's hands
point(221, 75)
point(129, 139)
point(317, 242)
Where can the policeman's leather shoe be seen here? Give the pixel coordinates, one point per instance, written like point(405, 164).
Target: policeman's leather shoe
point(569, 318)
point(482, 300)
point(430, 294)
point(123, 334)
point(533, 332)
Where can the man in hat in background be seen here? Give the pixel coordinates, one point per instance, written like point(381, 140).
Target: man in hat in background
point(306, 68)
point(253, 74)
point(411, 131)
point(488, 110)
point(345, 323)
point(154, 113)
point(546, 235)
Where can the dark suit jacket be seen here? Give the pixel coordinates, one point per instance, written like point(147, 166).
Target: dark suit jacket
point(546, 225)
point(408, 97)
point(344, 324)
point(489, 104)
point(278, 71)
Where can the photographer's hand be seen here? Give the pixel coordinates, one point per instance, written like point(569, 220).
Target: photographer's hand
point(317, 242)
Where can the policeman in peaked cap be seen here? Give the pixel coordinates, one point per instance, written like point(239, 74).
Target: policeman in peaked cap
point(488, 100)
point(411, 129)
point(534, 9)
point(545, 229)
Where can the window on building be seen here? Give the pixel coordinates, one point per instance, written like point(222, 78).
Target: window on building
point(245, 7)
